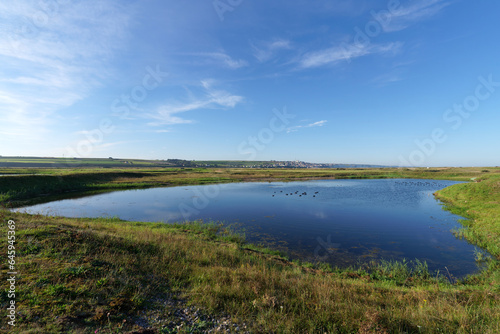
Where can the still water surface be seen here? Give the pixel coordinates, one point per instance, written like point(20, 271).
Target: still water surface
point(343, 222)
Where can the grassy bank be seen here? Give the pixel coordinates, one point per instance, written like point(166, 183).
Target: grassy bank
point(110, 276)
point(479, 203)
point(83, 275)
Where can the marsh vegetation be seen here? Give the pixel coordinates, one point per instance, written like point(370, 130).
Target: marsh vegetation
point(81, 275)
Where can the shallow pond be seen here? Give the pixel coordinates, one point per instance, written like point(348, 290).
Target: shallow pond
point(343, 222)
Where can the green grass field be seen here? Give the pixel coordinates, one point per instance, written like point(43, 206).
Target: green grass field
point(105, 275)
point(23, 162)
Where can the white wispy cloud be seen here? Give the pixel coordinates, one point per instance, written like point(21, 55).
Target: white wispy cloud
point(53, 56)
point(211, 98)
point(345, 52)
point(220, 58)
point(310, 125)
point(398, 19)
point(230, 62)
point(265, 51)
point(404, 16)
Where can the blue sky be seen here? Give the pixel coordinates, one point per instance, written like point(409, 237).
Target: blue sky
point(381, 82)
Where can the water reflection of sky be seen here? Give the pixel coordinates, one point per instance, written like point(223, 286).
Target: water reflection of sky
point(343, 222)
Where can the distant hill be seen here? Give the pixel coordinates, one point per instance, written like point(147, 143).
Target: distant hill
point(49, 162)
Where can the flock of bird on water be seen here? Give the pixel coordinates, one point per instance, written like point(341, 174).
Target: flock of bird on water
point(404, 183)
point(297, 193)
